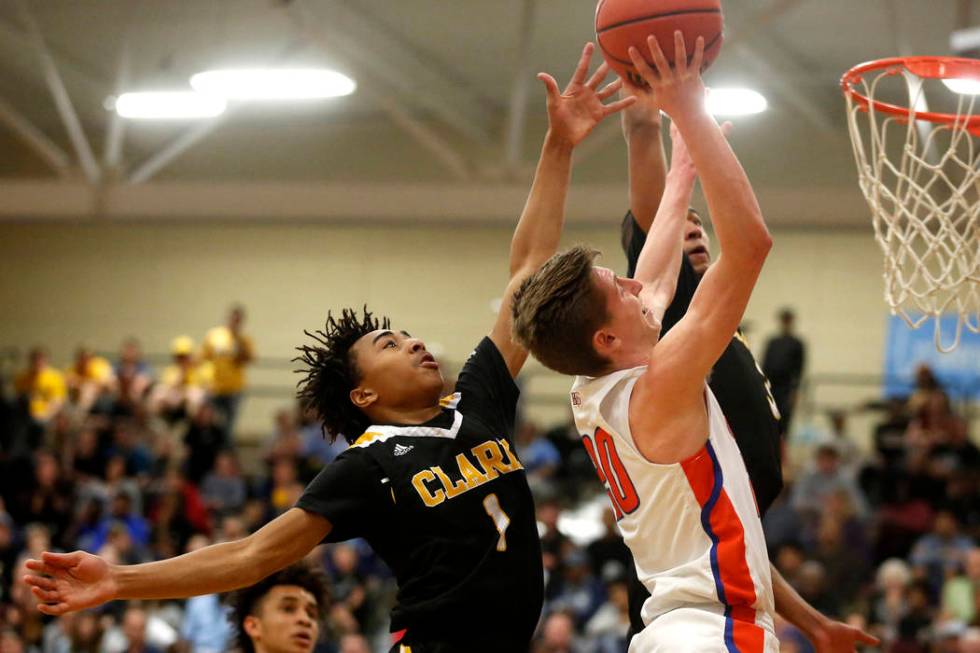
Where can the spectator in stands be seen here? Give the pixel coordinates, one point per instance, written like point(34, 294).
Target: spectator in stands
point(558, 635)
point(579, 593)
point(825, 477)
point(940, 552)
point(286, 440)
point(282, 613)
point(961, 592)
point(609, 556)
point(184, 385)
point(354, 643)
point(609, 627)
point(230, 350)
point(42, 387)
point(139, 632)
point(203, 439)
point(206, 627)
point(783, 364)
point(90, 380)
point(133, 377)
point(539, 457)
point(285, 488)
point(348, 587)
point(223, 489)
point(121, 513)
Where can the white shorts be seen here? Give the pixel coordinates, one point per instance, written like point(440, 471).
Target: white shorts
point(695, 630)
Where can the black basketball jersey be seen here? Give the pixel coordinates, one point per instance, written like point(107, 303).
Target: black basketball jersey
point(447, 506)
point(736, 380)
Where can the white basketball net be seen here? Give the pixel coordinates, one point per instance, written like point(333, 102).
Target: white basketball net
point(922, 182)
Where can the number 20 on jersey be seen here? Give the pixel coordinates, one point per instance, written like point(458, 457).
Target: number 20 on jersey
point(612, 473)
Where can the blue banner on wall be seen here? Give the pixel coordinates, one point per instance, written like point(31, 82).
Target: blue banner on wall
point(906, 348)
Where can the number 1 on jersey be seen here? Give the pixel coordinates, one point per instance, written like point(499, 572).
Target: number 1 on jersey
point(499, 517)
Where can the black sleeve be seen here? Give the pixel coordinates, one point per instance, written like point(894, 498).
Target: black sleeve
point(349, 493)
point(687, 280)
point(487, 389)
point(632, 240)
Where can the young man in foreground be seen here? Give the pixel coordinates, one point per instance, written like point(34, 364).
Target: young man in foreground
point(433, 485)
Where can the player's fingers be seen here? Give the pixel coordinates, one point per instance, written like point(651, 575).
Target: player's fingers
point(47, 596)
point(643, 69)
point(42, 568)
point(659, 60)
point(550, 85)
point(53, 609)
point(618, 105)
point(63, 560)
point(40, 581)
point(698, 59)
point(598, 76)
point(610, 89)
point(680, 53)
point(583, 64)
point(865, 638)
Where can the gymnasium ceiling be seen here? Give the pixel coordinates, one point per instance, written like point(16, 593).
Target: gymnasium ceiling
point(430, 133)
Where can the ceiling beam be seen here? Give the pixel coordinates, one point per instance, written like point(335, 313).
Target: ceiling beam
point(350, 38)
point(370, 203)
point(389, 102)
point(61, 99)
point(520, 88)
point(36, 139)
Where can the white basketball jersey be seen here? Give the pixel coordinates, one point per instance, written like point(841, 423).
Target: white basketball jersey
point(693, 527)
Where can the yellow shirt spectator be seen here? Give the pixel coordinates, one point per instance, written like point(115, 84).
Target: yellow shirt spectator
point(230, 352)
point(45, 390)
point(95, 368)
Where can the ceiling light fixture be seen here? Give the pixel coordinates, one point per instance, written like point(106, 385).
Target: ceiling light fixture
point(963, 85)
point(735, 102)
point(273, 83)
point(169, 105)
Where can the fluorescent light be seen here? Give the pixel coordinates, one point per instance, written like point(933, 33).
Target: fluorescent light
point(169, 105)
point(735, 102)
point(273, 83)
point(963, 86)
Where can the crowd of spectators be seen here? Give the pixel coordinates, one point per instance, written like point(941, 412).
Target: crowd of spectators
point(138, 464)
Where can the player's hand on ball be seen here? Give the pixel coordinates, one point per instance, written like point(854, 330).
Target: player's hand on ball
point(679, 90)
point(65, 582)
point(574, 112)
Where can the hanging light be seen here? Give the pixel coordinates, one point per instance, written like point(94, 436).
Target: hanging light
point(169, 105)
point(735, 102)
point(273, 83)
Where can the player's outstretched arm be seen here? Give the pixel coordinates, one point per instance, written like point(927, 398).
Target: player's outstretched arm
point(642, 129)
point(680, 363)
point(572, 115)
point(65, 582)
point(826, 635)
point(660, 261)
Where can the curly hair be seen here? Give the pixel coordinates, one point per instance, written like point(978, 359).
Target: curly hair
point(331, 372)
point(244, 602)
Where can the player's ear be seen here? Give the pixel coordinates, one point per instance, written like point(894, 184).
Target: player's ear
point(251, 626)
point(604, 342)
point(362, 397)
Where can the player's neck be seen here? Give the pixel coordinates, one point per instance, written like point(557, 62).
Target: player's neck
point(405, 415)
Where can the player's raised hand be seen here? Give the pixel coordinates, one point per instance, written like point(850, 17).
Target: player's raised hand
point(679, 90)
point(645, 113)
point(574, 112)
point(65, 582)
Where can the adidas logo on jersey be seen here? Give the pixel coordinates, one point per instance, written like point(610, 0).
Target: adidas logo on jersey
point(401, 449)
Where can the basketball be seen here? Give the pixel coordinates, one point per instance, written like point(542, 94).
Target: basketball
point(620, 24)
